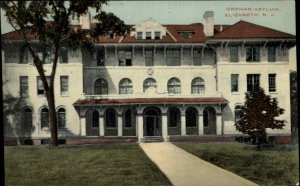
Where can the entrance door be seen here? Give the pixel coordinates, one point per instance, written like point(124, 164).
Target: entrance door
point(152, 126)
point(152, 122)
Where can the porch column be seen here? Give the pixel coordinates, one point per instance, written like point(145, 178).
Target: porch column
point(82, 126)
point(183, 125)
point(164, 121)
point(140, 127)
point(200, 124)
point(219, 123)
point(120, 124)
point(101, 125)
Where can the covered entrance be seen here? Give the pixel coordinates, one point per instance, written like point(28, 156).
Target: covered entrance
point(152, 125)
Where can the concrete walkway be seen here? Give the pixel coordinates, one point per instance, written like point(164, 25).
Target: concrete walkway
point(185, 169)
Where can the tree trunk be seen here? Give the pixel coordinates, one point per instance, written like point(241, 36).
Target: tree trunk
point(53, 118)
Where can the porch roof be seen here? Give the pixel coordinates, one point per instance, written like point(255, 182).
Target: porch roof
point(207, 100)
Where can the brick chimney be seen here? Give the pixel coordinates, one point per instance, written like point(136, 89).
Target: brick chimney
point(208, 23)
point(85, 21)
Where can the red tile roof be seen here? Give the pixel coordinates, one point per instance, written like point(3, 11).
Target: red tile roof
point(244, 30)
point(240, 30)
point(81, 102)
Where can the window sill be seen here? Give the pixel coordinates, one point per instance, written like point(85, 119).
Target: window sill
point(273, 92)
point(235, 93)
point(46, 129)
point(173, 127)
point(64, 95)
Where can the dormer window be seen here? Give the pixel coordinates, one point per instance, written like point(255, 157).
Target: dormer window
point(157, 35)
point(186, 34)
point(139, 35)
point(148, 35)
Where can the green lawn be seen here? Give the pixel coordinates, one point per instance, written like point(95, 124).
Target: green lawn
point(272, 166)
point(80, 165)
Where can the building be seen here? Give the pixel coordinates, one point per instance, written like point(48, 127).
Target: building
point(158, 80)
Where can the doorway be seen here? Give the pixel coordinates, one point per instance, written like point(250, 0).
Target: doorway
point(152, 126)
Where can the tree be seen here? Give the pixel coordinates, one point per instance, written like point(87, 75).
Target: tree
point(49, 21)
point(259, 113)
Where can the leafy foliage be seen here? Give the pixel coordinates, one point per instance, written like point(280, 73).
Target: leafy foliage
point(49, 22)
point(259, 112)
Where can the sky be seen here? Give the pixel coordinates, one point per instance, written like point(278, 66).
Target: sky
point(276, 14)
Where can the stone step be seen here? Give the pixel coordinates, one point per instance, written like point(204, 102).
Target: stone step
point(149, 139)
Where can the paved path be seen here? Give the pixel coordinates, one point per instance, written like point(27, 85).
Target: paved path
point(185, 169)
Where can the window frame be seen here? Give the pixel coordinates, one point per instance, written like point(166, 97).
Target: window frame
point(271, 54)
point(63, 51)
point(44, 117)
point(197, 57)
point(234, 54)
point(41, 85)
point(24, 87)
point(147, 35)
point(101, 84)
point(250, 50)
point(198, 84)
point(125, 86)
point(146, 84)
point(139, 35)
point(254, 81)
point(149, 58)
point(157, 34)
point(64, 119)
point(272, 82)
point(234, 82)
point(174, 88)
point(173, 57)
point(64, 85)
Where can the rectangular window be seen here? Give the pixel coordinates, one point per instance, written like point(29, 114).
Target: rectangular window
point(40, 87)
point(197, 57)
point(157, 35)
point(149, 57)
point(48, 57)
point(234, 82)
point(64, 85)
point(234, 57)
point(125, 58)
point(100, 57)
point(252, 81)
point(271, 54)
point(23, 55)
point(252, 54)
point(139, 35)
point(23, 86)
point(63, 53)
point(173, 58)
point(148, 35)
point(272, 82)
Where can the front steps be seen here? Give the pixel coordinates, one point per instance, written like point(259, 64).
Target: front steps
point(152, 139)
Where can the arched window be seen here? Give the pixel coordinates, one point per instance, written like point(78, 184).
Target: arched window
point(125, 86)
point(28, 118)
point(198, 86)
point(237, 113)
point(128, 118)
point(174, 86)
point(61, 118)
point(110, 118)
point(45, 118)
point(95, 122)
point(191, 116)
point(149, 83)
point(100, 87)
point(174, 117)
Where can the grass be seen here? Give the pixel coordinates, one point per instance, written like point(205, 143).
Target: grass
point(80, 165)
point(272, 166)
